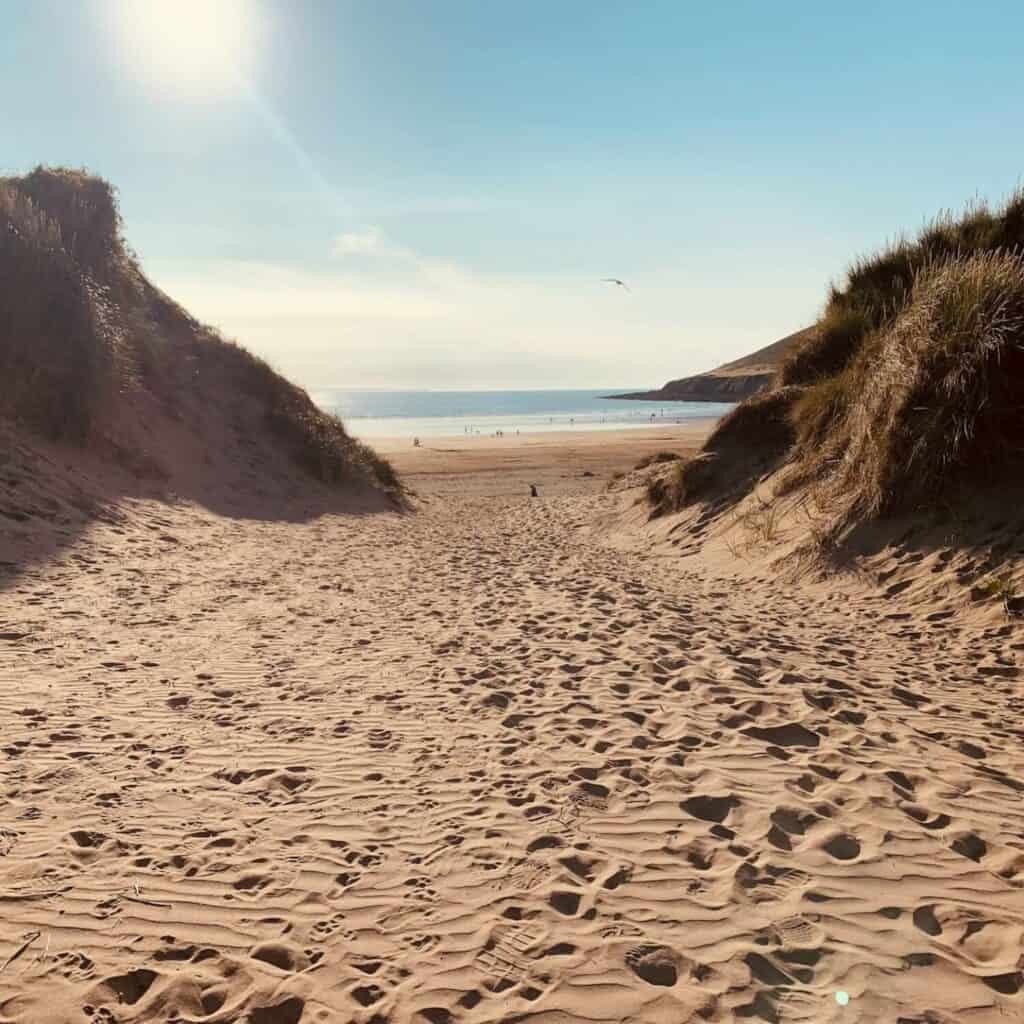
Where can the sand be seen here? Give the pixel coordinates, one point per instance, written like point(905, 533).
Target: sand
point(476, 764)
point(557, 462)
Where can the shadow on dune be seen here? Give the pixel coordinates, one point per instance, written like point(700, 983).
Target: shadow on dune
point(971, 548)
point(53, 493)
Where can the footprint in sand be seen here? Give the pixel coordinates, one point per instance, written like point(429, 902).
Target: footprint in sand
point(74, 966)
point(798, 933)
point(656, 964)
point(971, 846)
point(506, 955)
point(842, 847)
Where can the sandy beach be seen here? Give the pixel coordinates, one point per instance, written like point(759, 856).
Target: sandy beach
point(473, 763)
point(556, 462)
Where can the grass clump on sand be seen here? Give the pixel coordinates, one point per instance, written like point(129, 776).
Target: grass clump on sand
point(665, 491)
point(910, 387)
point(998, 588)
point(81, 327)
point(747, 442)
point(55, 358)
point(877, 287)
point(931, 402)
point(656, 459)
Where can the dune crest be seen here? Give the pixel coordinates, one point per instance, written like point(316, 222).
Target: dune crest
point(111, 389)
point(896, 422)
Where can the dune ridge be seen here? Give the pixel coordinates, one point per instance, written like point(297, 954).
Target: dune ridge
point(899, 415)
point(104, 374)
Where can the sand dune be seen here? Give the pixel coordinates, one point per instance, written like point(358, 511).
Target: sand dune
point(474, 764)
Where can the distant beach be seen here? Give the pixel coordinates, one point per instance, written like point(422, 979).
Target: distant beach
point(409, 414)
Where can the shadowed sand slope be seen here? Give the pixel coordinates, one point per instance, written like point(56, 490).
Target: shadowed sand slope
point(474, 766)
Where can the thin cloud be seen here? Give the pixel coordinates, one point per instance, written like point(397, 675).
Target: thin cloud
point(372, 243)
point(358, 243)
point(376, 257)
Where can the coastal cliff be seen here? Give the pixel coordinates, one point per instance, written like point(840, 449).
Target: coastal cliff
point(730, 382)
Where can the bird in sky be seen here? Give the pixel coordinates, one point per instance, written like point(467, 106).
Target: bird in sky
point(620, 283)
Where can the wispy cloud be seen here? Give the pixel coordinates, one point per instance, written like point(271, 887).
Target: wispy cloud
point(373, 205)
point(373, 253)
point(359, 243)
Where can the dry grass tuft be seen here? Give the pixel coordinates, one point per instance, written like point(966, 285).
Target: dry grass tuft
point(86, 209)
point(746, 444)
point(665, 493)
point(828, 348)
point(657, 458)
point(878, 287)
point(56, 361)
point(997, 588)
point(931, 403)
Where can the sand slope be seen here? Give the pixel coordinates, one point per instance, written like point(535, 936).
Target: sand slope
point(473, 765)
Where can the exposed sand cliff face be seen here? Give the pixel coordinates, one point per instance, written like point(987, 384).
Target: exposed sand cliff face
point(731, 382)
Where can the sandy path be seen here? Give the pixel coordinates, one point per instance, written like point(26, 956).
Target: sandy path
point(471, 765)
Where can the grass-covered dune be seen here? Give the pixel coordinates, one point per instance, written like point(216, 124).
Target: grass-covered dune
point(92, 354)
point(907, 393)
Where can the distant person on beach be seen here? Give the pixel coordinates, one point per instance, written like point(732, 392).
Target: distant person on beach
point(415, 442)
point(533, 491)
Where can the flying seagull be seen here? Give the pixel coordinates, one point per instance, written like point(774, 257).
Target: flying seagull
point(615, 280)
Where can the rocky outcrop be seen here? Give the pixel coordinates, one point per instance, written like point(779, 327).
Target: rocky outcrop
point(730, 382)
point(706, 387)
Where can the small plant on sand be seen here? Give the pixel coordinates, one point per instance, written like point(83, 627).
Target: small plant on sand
point(656, 459)
point(761, 521)
point(734, 549)
point(997, 588)
point(665, 491)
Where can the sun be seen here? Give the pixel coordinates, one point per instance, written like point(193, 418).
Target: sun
point(198, 49)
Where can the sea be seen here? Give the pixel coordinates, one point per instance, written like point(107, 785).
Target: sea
point(441, 413)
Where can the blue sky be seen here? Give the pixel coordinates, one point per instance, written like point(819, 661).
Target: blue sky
point(426, 193)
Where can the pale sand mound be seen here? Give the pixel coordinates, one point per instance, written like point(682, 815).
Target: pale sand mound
point(471, 765)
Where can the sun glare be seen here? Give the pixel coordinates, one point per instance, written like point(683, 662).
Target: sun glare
point(200, 49)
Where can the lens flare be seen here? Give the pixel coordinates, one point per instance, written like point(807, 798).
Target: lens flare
point(196, 49)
